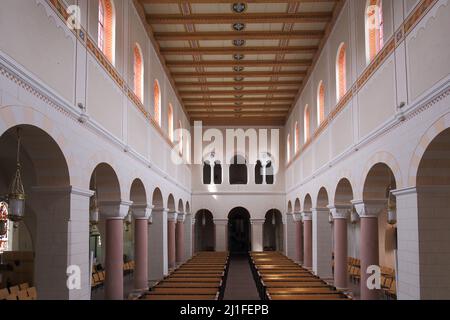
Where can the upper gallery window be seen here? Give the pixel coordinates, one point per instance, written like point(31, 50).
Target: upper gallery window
point(341, 75)
point(238, 170)
point(374, 29)
point(138, 73)
point(297, 138)
point(157, 102)
point(288, 148)
point(306, 121)
point(320, 103)
point(170, 122)
point(107, 29)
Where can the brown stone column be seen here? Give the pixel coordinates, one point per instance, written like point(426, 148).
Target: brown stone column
point(141, 254)
point(298, 237)
point(171, 226)
point(114, 259)
point(307, 239)
point(179, 235)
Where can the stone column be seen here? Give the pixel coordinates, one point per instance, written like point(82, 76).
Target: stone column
point(368, 211)
point(257, 234)
point(171, 241)
point(179, 237)
point(298, 237)
point(307, 239)
point(188, 237)
point(290, 235)
point(157, 246)
point(141, 214)
point(221, 234)
point(322, 243)
point(114, 212)
point(340, 216)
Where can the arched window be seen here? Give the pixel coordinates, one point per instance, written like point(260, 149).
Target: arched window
point(4, 228)
point(180, 136)
point(269, 173)
point(259, 175)
point(374, 28)
point(217, 172)
point(170, 122)
point(297, 138)
point(288, 148)
point(341, 74)
point(206, 172)
point(107, 29)
point(320, 103)
point(157, 102)
point(306, 121)
point(138, 73)
point(238, 170)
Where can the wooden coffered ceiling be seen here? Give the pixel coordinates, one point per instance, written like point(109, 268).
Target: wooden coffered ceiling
point(240, 63)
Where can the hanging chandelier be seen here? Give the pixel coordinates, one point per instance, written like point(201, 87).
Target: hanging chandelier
point(16, 197)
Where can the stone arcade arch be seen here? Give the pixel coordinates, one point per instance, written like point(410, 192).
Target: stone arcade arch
point(204, 232)
point(273, 231)
point(49, 198)
point(239, 230)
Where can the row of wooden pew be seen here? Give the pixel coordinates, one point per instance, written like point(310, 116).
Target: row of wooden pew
point(201, 278)
point(388, 283)
point(20, 292)
point(279, 278)
point(98, 277)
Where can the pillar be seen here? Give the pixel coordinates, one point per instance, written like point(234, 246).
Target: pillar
point(307, 239)
point(179, 236)
point(114, 212)
point(298, 237)
point(368, 211)
point(188, 237)
point(340, 218)
point(290, 235)
point(221, 234)
point(322, 243)
point(257, 235)
point(171, 241)
point(141, 215)
point(157, 246)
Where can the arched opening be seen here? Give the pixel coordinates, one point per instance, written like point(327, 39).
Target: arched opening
point(378, 244)
point(269, 172)
point(238, 170)
point(107, 29)
point(105, 183)
point(288, 148)
point(157, 102)
point(239, 240)
point(217, 172)
point(206, 172)
point(433, 201)
point(289, 207)
point(320, 103)
point(297, 138)
point(374, 28)
point(306, 122)
point(273, 231)
point(180, 136)
point(170, 122)
point(259, 174)
point(25, 256)
point(204, 231)
point(138, 76)
point(341, 72)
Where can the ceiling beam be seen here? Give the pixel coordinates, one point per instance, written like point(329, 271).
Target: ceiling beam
point(252, 74)
point(239, 84)
point(242, 63)
point(229, 18)
point(232, 106)
point(225, 121)
point(169, 51)
point(229, 1)
point(232, 35)
point(220, 100)
point(234, 92)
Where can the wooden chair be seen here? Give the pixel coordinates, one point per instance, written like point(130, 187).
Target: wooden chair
point(14, 289)
point(12, 296)
point(24, 286)
point(32, 293)
point(4, 293)
point(23, 295)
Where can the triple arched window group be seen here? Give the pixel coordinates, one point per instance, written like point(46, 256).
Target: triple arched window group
point(374, 43)
point(238, 172)
point(107, 44)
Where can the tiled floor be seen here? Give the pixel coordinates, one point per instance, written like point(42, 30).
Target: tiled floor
point(128, 286)
point(240, 283)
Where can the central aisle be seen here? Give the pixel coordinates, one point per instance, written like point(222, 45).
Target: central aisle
point(240, 283)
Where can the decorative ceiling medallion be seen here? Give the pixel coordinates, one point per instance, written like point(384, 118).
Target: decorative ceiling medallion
point(238, 26)
point(238, 79)
point(238, 56)
point(238, 69)
point(238, 43)
point(239, 7)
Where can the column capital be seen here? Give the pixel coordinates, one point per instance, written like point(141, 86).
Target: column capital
point(193, 221)
point(320, 210)
point(306, 215)
point(257, 221)
point(142, 211)
point(297, 216)
point(221, 222)
point(172, 216)
point(114, 209)
point(340, 211)
point(181, 217)
point(369, 208)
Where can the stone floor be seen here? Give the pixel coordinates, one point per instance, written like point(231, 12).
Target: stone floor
point(240, 283)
